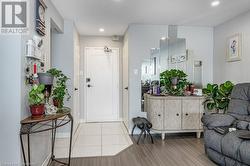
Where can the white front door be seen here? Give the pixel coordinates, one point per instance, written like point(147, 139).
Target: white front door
point(102, 84)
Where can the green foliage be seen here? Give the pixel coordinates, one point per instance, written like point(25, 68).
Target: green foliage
point(218, 97)
point(166, 81)
point(36, 96)
point(60, 89)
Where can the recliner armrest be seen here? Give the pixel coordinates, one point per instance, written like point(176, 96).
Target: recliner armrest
point(217, 120)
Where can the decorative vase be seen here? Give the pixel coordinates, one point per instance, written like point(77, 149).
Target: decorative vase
point(174, 81)
point(45, 78)
point(37, 110)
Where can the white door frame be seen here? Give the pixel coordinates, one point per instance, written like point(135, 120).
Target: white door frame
point(85, 84)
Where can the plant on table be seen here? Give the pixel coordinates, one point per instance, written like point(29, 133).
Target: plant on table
point(174, 81)
point(217, 97)
point(60, 88)
point(36, 100)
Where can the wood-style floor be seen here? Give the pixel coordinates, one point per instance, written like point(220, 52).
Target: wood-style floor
point(183, 150)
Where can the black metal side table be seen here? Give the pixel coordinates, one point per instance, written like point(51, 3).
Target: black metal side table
point(45, 123)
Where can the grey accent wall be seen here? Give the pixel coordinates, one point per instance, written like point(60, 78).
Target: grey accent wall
point(233, 71)
point(98, 41)
point(143, 37)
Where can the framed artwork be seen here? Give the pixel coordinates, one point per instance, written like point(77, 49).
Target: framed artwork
point(234, 48)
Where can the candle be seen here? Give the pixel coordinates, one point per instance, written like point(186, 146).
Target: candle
point(35, 68)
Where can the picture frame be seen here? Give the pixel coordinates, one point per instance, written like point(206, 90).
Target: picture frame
point(234, 46)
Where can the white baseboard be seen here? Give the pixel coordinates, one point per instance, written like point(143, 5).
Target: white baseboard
point(46, 161)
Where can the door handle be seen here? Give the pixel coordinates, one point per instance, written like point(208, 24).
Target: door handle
point(126, 88)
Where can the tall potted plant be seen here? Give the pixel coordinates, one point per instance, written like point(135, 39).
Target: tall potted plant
point(36, 100)
point(217, 97)
point(60, 88)
point(174, 81)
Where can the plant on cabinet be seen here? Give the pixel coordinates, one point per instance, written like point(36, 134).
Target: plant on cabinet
point(174, 82)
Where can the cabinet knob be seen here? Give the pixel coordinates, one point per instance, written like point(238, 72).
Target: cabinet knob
point(177, 114)
point(186, 114)
point(159, 115)
point(203, 113)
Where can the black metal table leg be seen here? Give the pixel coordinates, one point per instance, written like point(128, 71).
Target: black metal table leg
point(28, 137)
point(54, 123)
point(71, 137)
point(24, 157)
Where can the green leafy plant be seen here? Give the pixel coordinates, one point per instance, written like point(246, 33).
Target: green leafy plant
point(217, 96)
point(60, 89)
point(166, 81)
point(36, 96)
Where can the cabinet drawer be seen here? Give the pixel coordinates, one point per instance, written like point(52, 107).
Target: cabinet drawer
point(155, 113)
point(172, 114)
point(190, 114)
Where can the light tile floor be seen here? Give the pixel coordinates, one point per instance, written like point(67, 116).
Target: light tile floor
point(95, 139)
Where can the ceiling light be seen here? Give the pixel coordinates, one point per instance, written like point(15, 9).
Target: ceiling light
point(163, 38)
point(101, 30)
point(215, 3)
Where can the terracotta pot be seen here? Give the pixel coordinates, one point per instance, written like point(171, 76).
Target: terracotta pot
point(37, 110)
point(57, 103)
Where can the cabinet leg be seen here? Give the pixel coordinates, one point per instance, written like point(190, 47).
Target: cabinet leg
point(198, 134)
point(163, 136)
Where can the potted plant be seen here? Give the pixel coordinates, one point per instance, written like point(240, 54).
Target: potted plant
point(217, 97)
point(60, 88)
point(174, 81)
point(36, 100)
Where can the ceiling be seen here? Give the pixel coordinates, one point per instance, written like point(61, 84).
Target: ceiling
point(115, 15)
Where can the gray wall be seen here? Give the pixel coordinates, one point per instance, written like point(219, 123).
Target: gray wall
point(10, 99)
point(233, 71)
point(14, 101)
point(63, 59)
point(143, 37)
point(97, 41)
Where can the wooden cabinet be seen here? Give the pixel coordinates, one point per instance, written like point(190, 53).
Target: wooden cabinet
point(190, 114)
point(171, 114)
point(156, 114)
